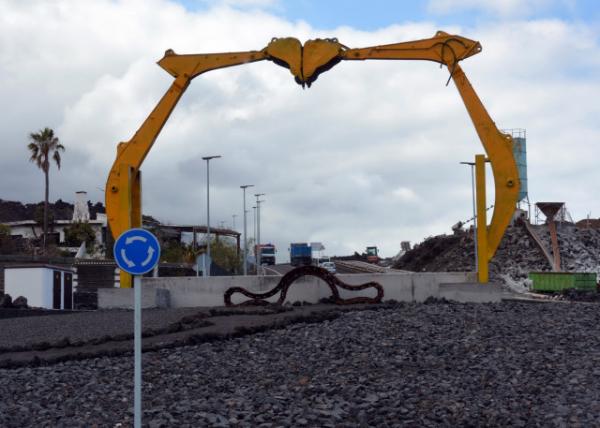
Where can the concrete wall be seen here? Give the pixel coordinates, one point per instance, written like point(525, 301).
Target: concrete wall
point(208, 292)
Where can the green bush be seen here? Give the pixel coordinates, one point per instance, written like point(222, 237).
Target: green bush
point(80, 232)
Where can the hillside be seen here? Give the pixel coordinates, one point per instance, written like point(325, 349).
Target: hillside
point(60, 210)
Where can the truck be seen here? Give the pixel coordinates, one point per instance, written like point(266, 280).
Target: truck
point(372, 255)
point(265, 253)
point(300, 254)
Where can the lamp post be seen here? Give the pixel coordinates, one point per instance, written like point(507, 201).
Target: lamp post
point(254, 234)
point(233, 216)
point(244, 187)
point(472, 164)
point(258, 249)
point(207, 258)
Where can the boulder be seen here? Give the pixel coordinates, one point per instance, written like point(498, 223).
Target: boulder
point(6, 301)
point(20, 303)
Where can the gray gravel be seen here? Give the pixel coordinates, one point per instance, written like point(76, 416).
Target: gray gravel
point(82, 326)
point(507, 364)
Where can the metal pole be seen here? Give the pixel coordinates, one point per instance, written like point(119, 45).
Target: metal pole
point(206, 262)
point(244, 262)
point(472, 165)
point(137, 351)
point(474, 215)
point(233, 216)
point(258, 249)
point(254, 232)
point(207, 258)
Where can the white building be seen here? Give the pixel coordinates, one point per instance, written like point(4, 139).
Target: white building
point(44, 286)
point(30, 229)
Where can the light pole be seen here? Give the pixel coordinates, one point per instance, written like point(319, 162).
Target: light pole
point(254, 235)
point(207, 258)
point(258, 249)
point(233, 216)
point(244, 187)
point(472, 164)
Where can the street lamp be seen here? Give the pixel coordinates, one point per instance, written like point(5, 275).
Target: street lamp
point(258, 249)
point(472, 164)
point(254, 234)
point(207, 258)
point(244, 187)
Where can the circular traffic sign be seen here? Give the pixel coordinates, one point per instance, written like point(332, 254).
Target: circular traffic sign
point(136, 251)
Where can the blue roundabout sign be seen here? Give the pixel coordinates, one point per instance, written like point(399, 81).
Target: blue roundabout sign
point(136, 251)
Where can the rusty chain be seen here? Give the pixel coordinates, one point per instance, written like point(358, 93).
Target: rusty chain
point(288, 279)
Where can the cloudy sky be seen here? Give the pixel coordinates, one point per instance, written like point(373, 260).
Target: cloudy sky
point(369, 155)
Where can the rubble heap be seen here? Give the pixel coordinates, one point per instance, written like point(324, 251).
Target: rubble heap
point(517, 255)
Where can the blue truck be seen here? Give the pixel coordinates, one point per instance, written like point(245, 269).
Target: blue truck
point(300, 254)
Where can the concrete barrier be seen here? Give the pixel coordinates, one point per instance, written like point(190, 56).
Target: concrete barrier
point(472, 292)
point(208, 292)
point(122, 298)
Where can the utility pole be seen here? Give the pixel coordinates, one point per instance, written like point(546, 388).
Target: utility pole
point(207, 257)
point(244, 187)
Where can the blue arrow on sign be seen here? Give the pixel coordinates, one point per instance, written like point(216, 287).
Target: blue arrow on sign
point(136, 251)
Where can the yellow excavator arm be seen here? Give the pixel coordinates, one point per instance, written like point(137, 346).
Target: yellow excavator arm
point(306, 63)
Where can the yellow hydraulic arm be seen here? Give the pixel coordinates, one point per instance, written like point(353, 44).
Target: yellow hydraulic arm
point(123, 187)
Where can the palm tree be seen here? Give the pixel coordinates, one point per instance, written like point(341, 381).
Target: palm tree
point(44, 145)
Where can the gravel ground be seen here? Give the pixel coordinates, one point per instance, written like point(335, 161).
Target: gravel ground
point(82, 326)
point(506, 364)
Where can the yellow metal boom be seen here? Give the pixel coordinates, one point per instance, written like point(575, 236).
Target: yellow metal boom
point(123, 187)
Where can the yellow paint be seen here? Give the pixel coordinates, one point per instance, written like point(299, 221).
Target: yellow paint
point(482, 230)
point(123, 197)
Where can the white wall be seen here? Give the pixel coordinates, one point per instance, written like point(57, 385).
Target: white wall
point(24, 231)
point(33, 283)
point(58, 227)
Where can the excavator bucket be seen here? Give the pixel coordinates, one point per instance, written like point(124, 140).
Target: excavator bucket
point(318, 56)
point(305, 63)
point(287, 52)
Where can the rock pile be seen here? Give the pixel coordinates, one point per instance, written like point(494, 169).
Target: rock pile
point(516, 256)
point(505, 364)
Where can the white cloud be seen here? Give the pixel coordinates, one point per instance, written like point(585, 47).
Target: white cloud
point(517, 8)
point(369, 155)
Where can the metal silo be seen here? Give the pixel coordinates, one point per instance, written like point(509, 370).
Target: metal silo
point(519, 136)
point(520, 152)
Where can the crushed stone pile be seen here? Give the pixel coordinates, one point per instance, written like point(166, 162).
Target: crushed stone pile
point(505, 364)
point(517, 255)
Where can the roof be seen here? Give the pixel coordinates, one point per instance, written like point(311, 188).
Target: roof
point(56, 222)
point(40, 265)
point(199, 229)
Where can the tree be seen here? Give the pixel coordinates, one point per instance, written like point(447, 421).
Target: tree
point(6, 244)
point(44, 146)
point(224, 253)
point(79, 232)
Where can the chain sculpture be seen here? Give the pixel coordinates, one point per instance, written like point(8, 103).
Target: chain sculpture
point(288, 279)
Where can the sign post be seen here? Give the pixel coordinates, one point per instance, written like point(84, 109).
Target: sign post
point(137, 251)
